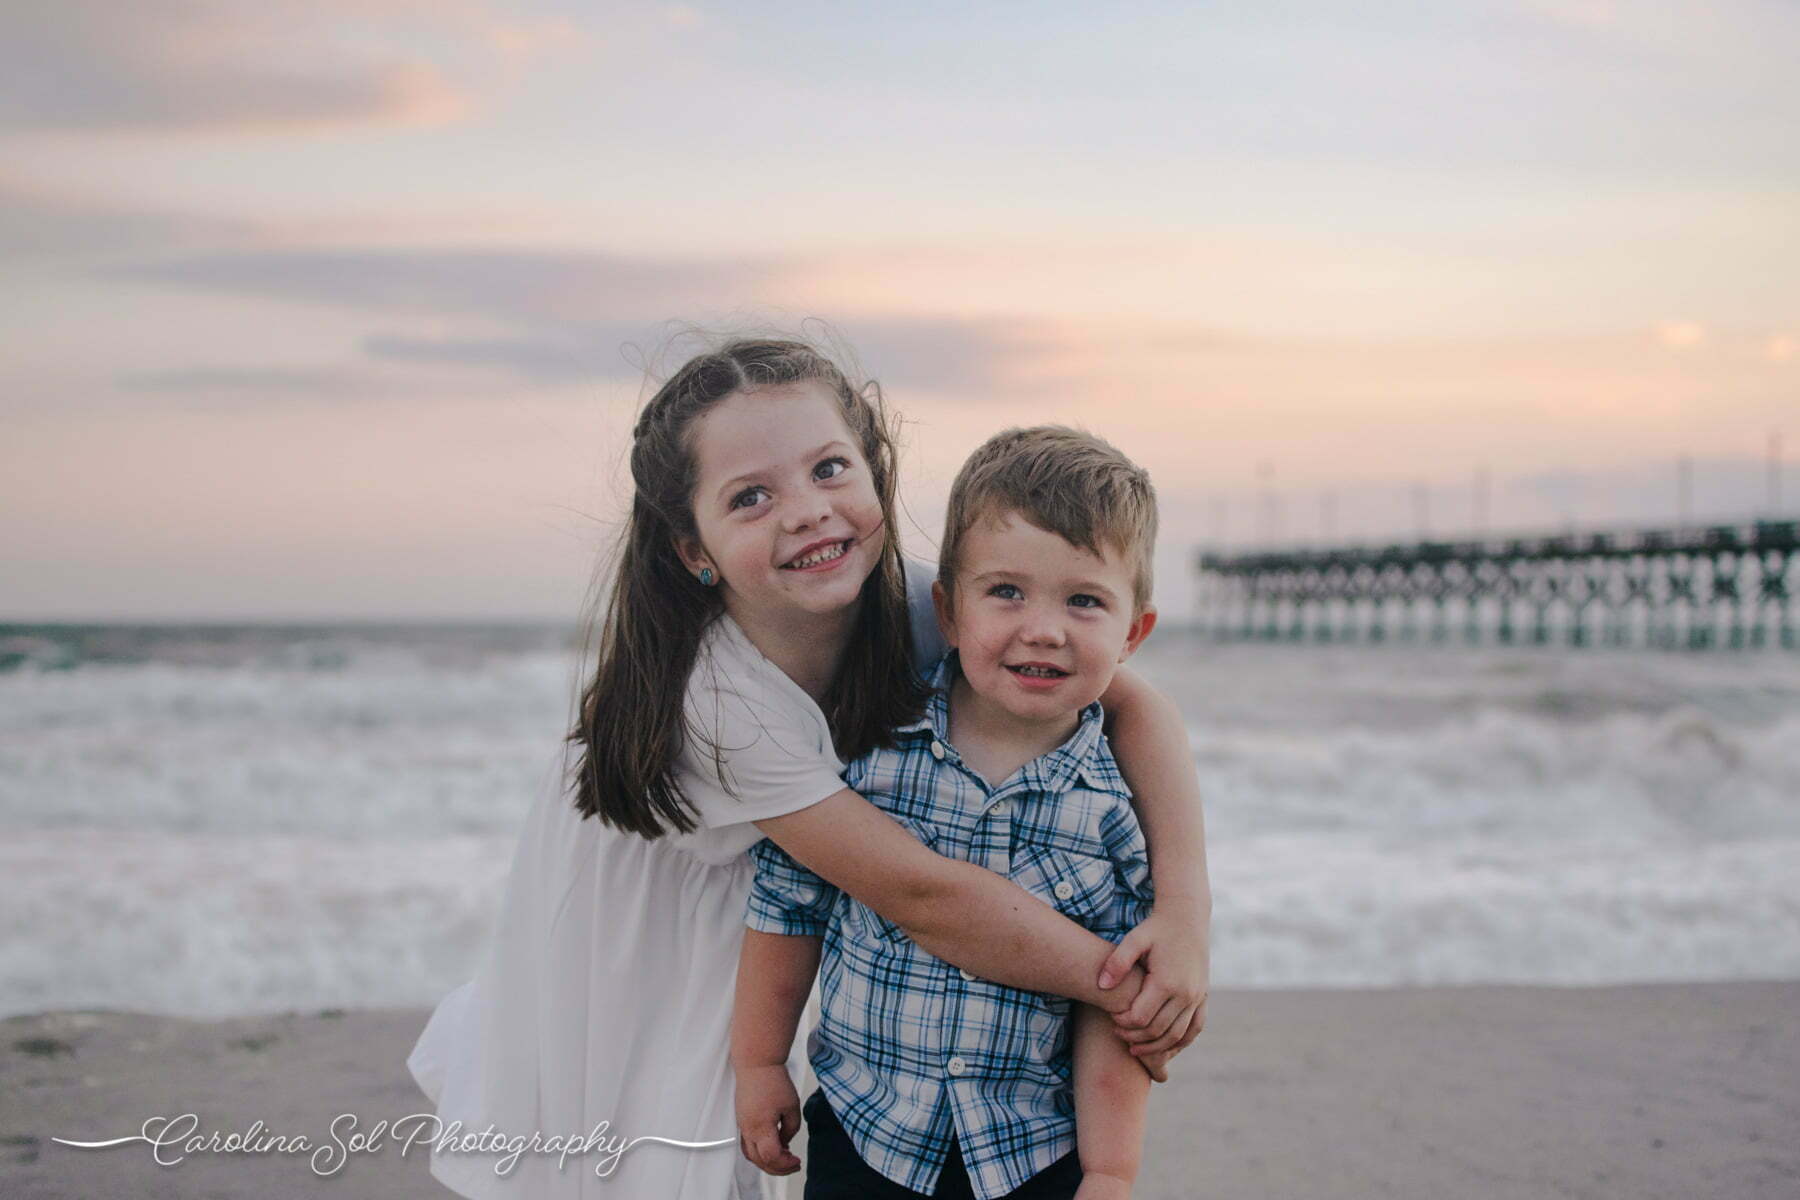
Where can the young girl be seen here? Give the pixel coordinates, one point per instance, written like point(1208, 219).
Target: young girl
point(757, 637)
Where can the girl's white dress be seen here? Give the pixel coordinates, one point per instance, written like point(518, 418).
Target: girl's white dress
point(606, 993)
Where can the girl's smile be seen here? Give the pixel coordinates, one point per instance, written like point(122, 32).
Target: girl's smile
point(821, 556)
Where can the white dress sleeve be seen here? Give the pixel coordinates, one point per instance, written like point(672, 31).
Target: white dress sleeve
point(774, 754)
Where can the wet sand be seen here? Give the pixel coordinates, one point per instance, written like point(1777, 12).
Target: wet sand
point(1644, 1091)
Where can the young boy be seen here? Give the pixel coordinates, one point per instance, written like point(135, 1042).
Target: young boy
point(935, 1082)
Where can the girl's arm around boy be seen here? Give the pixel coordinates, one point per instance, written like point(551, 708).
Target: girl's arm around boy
point(1021, 942)
point(1149, 739)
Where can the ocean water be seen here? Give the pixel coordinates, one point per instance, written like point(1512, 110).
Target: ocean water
point(225, 820)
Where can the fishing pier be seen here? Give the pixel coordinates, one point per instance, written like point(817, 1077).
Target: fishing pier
point(1714, 586)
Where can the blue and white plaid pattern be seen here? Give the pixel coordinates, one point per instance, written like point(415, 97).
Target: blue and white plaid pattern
point(910, 1049)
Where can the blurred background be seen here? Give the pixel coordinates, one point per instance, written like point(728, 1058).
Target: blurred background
point(324, 324)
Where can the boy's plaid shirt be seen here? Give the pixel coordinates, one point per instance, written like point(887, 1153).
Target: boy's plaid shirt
point(911, 1050)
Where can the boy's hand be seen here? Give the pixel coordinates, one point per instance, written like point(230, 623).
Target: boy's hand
point(768, 1117)
point(1170, 1010)
point(1095, 1186)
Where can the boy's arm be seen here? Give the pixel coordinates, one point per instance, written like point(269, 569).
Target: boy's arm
point(787, 913)
point(1149, 739)
point(775, 975)
point(1111, 1096)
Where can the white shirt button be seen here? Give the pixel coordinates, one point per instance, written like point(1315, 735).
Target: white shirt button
point(937, 749)
point(956, 1066)
point(965, 974)
point(1064, 889)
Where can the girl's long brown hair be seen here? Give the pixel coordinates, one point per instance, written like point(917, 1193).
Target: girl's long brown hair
point(632, 721)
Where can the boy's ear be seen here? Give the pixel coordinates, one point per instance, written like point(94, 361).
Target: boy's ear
point(946, 615)
point(1138, 630)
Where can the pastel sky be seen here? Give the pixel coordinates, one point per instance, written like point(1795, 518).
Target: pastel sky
point(341, 308)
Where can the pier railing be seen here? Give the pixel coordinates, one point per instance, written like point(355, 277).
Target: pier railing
point(1703, 587)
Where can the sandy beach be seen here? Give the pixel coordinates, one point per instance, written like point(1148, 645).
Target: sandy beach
point(1658, 1090)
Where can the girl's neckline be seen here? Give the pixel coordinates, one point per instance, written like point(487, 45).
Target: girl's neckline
point(736, 631)
point(811, 653)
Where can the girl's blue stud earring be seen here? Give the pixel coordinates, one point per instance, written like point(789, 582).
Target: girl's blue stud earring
point(706, 577)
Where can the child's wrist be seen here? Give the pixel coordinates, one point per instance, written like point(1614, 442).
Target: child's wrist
point(1106, 1184)
point(1192, 902)
point(1120, 997)
point(756, 1062)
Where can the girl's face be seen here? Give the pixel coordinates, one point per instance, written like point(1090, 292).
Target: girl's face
point(786, 509)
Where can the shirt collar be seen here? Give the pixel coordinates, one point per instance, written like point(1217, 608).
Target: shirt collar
point(1084, 757)
point(936, 720)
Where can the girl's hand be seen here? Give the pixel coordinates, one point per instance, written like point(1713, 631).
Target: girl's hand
point(1170, 1010)
point(768, 1117)
point(1157, 1065)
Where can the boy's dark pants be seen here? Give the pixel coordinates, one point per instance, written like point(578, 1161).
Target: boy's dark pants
point(834, 1171)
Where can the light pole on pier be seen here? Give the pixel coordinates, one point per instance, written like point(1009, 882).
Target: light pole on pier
point(1684, 488)
point(1478, 504)
point(1774, 473)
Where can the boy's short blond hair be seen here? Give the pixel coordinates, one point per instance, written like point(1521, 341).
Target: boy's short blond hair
point(1064, 480)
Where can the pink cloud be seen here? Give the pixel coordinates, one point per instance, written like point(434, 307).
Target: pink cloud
point(277, 66)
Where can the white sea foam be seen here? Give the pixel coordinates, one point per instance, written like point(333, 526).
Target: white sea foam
point(327, 819)
point(208, 924)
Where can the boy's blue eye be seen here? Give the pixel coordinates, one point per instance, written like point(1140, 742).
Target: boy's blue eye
point(739, 500)
point(825, 468)
point(1005, 591)
point(1083, 600)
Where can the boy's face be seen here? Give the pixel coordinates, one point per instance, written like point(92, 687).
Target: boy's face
point(1040, 625)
